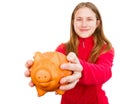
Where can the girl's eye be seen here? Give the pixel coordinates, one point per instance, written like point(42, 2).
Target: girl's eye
point(79, 19)
point(89, 19)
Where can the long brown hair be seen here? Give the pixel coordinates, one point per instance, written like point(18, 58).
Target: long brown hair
point(100, 39)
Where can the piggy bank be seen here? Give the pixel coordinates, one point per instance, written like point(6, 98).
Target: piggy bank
point(46, 72)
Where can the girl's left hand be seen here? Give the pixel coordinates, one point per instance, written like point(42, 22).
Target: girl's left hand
point(75, 66)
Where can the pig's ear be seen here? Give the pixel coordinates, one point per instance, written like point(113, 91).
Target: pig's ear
point(58, 58)
point(51, 56)
point(61, 57)
point(37, 56)
point(55, 58)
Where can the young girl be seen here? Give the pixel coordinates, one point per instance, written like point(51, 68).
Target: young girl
point(90, 55)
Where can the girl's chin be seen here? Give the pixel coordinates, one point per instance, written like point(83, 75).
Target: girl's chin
point(84, 36)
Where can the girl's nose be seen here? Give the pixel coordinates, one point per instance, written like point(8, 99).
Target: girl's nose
point(84, 23)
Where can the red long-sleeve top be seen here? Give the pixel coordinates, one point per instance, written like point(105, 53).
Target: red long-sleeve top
point(89, 88)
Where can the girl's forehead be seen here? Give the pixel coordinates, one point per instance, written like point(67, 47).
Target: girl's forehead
point(84, 11)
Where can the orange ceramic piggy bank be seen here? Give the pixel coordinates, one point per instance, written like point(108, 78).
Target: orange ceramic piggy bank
point(46, 72)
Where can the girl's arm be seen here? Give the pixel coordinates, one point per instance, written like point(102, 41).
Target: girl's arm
point(99, 72)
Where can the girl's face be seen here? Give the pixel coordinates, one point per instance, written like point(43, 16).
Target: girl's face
point(85, 22)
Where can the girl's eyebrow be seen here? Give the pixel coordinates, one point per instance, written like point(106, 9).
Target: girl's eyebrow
point(86, 17)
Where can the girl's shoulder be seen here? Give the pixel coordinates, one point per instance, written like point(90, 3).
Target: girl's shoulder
point(61, 48)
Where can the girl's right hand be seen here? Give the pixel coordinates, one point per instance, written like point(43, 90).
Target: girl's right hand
point(28, 65)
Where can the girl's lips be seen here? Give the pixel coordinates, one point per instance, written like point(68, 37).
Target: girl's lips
point(84, 30)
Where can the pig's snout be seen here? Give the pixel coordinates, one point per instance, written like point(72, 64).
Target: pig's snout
point(43, 76)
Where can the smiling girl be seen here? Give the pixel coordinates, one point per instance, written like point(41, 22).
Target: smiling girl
point(90, 55)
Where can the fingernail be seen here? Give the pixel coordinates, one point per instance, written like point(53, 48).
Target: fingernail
point(62, 66)
point(62, 81)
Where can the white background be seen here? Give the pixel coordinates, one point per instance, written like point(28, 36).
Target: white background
point(27, 26)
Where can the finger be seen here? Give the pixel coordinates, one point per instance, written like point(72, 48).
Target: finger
point(71, 78)
point(27, 73)
point(72, 67)
point(71, 57)
point(68, 86)
point(31, 84)
point(29, 63)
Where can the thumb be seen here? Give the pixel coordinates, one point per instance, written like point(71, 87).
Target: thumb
point(72, 57)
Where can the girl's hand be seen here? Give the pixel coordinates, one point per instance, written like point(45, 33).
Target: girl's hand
point(75, 66)
point(28, 64)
